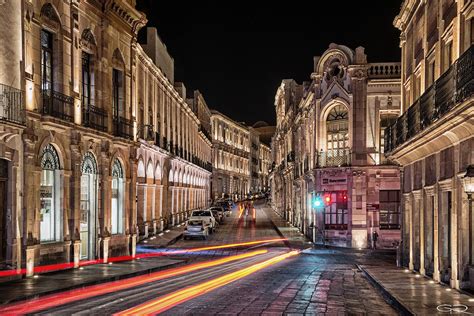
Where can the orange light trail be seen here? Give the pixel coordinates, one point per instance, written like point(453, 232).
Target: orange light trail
point(166, 302)
point(241, 211)
point(95, 290)
point(249, 243)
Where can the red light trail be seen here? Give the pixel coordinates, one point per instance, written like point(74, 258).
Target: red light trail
point(95, 290)
point(70, 265)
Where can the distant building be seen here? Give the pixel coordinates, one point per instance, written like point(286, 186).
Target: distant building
point(330, 178)
point(433, 139)
point(231, 157)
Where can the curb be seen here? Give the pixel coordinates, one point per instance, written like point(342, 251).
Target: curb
point(388, 297)
point(95, 282)
point(275, 227)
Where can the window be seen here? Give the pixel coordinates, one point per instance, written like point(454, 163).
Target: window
point(389, 209)
point(46, 60)
point(335, 209)
point(50, 217)
point(117, 197)
point(448, 55)
point(417, 86)
point(86, 80)
point(117, 93)
point(430, 74)
point(385, 122)
point(337, 130)
point(472, 30)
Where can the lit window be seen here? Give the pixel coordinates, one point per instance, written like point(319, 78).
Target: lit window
point(117, 197)
point(50, 216)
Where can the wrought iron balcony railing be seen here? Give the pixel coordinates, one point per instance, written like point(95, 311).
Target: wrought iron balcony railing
point(123, 127)
point(157, 139)
point(11, 105)
point(452, 88)
point(95, 118)
point(333, 158)
point(58, 105)
point(146, 132)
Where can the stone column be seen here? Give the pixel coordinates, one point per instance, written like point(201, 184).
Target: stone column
point(419, 207)
point(436, 274)
point(409, 211)
point(359, 108)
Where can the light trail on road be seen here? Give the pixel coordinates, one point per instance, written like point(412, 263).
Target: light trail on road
point(241, 244)
point(70, 265)
point(96, 290)
point(168, 301)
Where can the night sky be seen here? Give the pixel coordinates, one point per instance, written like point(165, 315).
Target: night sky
point(237, 52)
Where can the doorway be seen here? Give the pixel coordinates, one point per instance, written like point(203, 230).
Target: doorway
point(88, 220)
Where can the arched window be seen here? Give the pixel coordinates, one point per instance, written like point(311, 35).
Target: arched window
point(50, 225)
point(88, 222)
point(117, 197)
point(337, 131)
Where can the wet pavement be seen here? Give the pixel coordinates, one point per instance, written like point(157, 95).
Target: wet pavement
point(318, 281)
point(420, 295)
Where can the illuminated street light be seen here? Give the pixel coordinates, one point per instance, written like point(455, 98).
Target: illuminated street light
point(468, 183)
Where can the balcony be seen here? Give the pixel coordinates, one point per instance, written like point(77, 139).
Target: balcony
point(123, 127)
point(146, 132)
point(384, 70)
point(205, 132)
point(290, 157)
point(11, 105)
point(334, 158)
point(95, 118)
point(157, 139)
point(452, 88)
point(58, 105)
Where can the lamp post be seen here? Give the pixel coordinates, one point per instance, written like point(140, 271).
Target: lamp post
point(468, 183)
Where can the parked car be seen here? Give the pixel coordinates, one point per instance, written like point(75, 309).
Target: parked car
point(196, 228)
point(206, 216)
point(224, 205)
point(218, 213)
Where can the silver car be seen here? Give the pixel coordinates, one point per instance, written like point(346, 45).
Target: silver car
point(196, 228)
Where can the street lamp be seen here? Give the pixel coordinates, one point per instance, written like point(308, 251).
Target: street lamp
point(468, 183)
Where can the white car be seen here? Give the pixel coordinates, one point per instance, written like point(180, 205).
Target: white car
point(195, 228)
point(206, 216)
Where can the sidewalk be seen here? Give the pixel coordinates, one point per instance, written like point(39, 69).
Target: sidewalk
point(416, 295)
point(164, 239)
point(295, 238)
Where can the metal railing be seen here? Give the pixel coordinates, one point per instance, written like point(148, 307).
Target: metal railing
point(11, 105)
point(95, 118)
point(58, 105)
point(123, 127)
point(453, 87)
point(333, 158)
point(146, 132)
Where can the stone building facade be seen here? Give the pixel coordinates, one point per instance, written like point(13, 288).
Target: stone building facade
point(264, 166)
point(433, 139)
point(329, 177)
point(98, 148)
point(231, 157)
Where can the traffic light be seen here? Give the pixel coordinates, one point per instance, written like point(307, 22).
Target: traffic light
point(327, 199)
point(317, 201)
